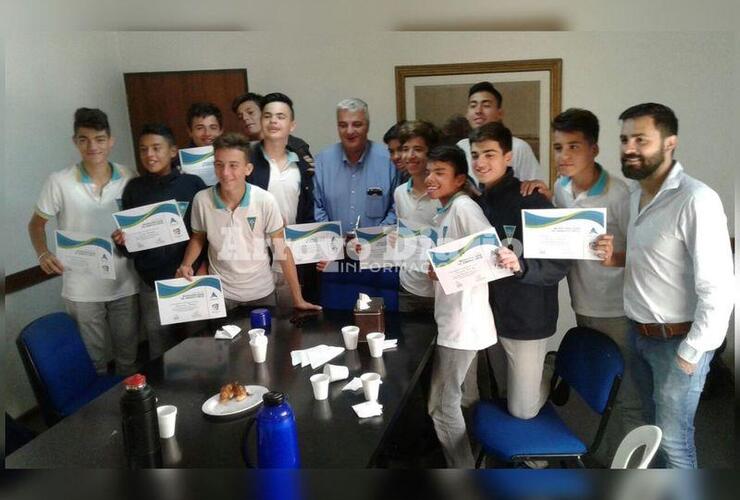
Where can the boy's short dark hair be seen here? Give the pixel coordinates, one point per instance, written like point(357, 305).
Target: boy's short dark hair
point(392, 133)
point(202, 110)
point(453, 155)
point(158, 129)
point(486, 87)
point(249, 96)
point(233, 140)
point(425, 130)
point(456, 127)
point(493, 131)
point(91, 118)
point(277, 97)
point(578, 120)
point(663, 116)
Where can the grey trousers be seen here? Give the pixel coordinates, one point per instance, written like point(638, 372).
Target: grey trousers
point(161, 337)
point(268, 300)
point(519, 366)
point(109, 326)
point(521, 377)
point(408, 302)
point(448, 371)
point(627, 413)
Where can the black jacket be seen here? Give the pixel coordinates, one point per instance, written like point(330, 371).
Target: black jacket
point(524, 307)
point(161, 263)
point(260, 176)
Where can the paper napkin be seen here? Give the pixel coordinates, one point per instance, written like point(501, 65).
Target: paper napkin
point(353, 385)
point(227, 332)
point(368, 409)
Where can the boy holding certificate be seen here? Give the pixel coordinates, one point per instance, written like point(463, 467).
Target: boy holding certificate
point(160, 182)
point(525, 306)
point(595, 290)
point(83, 198)
point(205, 124)
point(414, 206)
point(464, 321)
point(235, 218)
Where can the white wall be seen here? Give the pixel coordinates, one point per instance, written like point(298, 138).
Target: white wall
point(50, 75)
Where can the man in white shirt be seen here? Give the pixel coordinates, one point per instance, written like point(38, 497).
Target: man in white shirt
point(288, 177)
point(82, 198)
point(678, 290)
point(485, 106)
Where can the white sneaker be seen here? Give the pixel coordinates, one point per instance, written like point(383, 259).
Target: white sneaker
point(536, 464)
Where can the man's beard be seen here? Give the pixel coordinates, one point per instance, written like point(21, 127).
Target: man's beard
point(645, 169)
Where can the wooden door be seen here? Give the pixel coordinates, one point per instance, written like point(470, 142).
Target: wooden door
point(166, 96)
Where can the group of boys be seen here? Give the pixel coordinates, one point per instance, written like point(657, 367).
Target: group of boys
point(662, 291)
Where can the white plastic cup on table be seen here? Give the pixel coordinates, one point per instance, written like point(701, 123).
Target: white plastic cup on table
point(351, 334)
point(166, 416)
point(256, 332)
point(375, 342)
point(371, 385)
point(336, 372)
point(320, 384)
point(259, 348)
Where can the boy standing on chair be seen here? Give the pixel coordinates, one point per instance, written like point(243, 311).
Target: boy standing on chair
point(83, 198)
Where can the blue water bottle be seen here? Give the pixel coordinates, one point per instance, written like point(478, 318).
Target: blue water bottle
point(277, 436)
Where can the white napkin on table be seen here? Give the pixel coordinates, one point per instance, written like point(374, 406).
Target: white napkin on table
point(315, 356)
point(227, 332)
point(390, 344)
point(353, 385)
point(368, 409)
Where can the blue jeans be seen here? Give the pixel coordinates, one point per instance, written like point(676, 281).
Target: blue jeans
point(669, 395)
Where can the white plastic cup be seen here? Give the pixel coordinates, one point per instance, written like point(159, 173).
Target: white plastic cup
point(371, 385)
point(375, 341)
point(256, 332)
point(166, 416)
point(351, 334)
point(320, 384)
point(336, 372)
point(259, 348)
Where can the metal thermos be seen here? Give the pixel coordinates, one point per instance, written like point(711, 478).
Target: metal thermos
point(139, 423)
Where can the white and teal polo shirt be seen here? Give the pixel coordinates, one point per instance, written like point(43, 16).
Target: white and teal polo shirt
point(237, 239)
point(69, 196)
point(596, 290)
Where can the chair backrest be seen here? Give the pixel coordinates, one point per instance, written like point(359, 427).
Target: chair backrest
point(56, 360)
point(648, 436)
point(590, 363)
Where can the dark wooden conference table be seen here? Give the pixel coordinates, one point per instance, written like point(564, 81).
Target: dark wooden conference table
point(329, 432)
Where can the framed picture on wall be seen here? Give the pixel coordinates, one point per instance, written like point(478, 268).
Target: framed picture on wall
point(530, 90)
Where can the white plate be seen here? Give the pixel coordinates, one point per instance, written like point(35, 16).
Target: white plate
point(215, 408)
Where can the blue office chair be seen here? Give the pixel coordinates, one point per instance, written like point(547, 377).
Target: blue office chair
point(340, 290)
point(61, 372)
point(587, 361)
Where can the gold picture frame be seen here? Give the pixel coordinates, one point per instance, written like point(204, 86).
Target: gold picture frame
point(538, 82)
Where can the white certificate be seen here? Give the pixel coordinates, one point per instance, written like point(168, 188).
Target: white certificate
point(315, 241)
point(152, 226)
point(562, 233)
point(199, 161)
point(467, 262)
point(180, 300)
point(412, 242)
point(376, 252)
point(86, 253)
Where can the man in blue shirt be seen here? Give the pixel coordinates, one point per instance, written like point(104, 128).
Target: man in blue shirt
point(354, 184)
point(354, 177)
